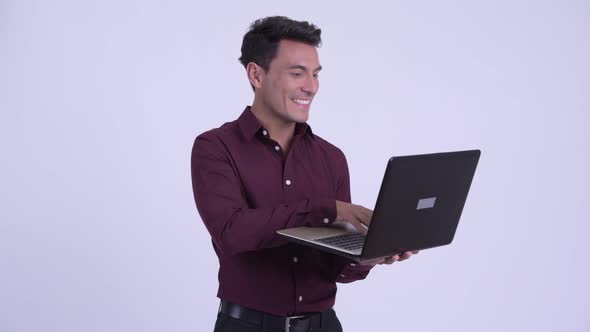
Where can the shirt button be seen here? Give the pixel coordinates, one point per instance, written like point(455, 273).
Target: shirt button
point(264, 132)
point(277, 147)
point(343, 276)
point(288, 182)
point(300, 298)
point(295, 259)
point(326, 220)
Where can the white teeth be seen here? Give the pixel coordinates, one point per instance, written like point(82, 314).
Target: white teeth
point(301, 101)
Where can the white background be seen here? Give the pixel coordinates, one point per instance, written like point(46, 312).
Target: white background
point(100, 102)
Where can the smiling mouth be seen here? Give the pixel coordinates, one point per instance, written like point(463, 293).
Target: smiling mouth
point(300, 101)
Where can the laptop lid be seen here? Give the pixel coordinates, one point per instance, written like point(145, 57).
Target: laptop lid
point(418, 207)
point(420, 202)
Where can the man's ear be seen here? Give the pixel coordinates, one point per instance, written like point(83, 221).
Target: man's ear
point(255, 74)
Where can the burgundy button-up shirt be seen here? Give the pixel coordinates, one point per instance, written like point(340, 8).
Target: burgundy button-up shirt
point(246, 188)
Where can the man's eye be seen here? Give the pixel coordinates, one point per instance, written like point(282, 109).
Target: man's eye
point(296, 74)
point(316, 75)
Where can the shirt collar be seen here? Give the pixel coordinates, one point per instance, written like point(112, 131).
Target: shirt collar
point(251, 126)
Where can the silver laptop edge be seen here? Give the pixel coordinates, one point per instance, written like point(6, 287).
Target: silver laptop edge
point(312, 234)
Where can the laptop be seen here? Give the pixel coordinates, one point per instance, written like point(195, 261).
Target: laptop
point(418, 207)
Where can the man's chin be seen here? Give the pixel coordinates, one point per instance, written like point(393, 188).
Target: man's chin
point(301, 119)
point(300, 116)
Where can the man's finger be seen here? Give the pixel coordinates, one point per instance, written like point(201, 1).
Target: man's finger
point(362, 222)
point(363, 218)
point(389, 261)
point(405, 256)
point(359, 226)
point(366, 211)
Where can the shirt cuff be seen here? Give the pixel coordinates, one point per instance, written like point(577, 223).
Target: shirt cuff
point(323, 211)
point(350, 270)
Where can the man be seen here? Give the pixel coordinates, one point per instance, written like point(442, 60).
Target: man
point(268, 171)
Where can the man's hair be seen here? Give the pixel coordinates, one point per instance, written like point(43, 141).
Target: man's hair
point(261, 42)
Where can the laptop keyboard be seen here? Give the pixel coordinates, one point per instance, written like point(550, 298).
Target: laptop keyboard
point(348, 241)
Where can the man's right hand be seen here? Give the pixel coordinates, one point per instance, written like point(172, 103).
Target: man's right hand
point(356, 215)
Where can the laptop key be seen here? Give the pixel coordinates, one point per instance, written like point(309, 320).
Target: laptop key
point(349, 241)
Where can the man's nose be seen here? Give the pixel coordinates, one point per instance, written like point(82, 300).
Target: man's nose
point(311, 85)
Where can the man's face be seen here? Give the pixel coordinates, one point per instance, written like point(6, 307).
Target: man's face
point(291, 81)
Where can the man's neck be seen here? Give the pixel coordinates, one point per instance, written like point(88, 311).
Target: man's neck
point(278, 129)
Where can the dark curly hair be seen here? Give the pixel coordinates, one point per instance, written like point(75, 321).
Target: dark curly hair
point(261, 42)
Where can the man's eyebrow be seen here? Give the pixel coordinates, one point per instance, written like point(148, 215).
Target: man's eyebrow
point(302, 67)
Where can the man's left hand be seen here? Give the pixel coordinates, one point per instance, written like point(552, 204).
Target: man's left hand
point(396, 258)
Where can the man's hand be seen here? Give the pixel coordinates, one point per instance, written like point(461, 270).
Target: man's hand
point(360, 217)
point(395, 258)
point(356, 215)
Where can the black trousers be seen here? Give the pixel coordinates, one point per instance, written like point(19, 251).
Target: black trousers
point(224, 323)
